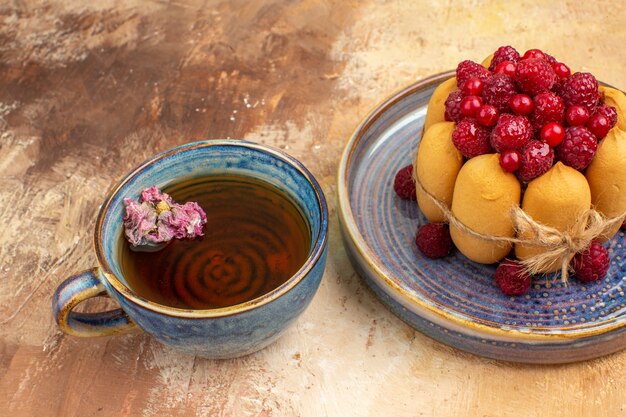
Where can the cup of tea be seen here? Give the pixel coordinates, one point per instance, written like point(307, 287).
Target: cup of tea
point(234, 290)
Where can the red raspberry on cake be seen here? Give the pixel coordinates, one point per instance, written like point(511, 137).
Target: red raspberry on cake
point(453, 106)
point(578, 148)
point(534, 76)
point(580, 88)
point(548, 108)
point(470, 69)
point(498, 91)
point(511, 132)
point(592, 263)
point(502, 54)
point(536, 159)
point(471, 139)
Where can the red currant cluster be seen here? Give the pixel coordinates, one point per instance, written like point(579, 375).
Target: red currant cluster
point(530, 109)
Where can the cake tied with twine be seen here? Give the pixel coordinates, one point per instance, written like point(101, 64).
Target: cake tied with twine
point(520, 153)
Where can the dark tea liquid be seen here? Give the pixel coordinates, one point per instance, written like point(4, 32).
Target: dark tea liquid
point(254, 240)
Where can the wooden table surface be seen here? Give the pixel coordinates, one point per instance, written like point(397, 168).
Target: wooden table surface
point(89, 89)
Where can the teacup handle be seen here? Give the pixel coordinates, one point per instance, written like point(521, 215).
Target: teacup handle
point(77, 289)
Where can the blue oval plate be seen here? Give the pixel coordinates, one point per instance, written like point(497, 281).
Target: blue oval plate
point(455, 300)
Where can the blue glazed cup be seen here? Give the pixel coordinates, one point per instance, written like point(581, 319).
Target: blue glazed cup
point(214, 333)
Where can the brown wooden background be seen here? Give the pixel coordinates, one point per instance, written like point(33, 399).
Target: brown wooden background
point(90, 89)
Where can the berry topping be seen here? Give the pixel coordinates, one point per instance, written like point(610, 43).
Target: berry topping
point(470, 69)
point(510, 160)
point(561, 70)
point(487, 115)
point(550, 59)
point(580, 88)
point(534, 76)
point(537, 159)
point(548, 108)
point(511, 132)
point(578, 148)
point(470, 105)
point(433, 240)
point(592, 263)
point(609, 112)
point(498, 91)
point(470, 138)
point(577, 115)
point(473, 87)
point(521, 104)
point(506, 67)
point(599, 125)
point(512, 278)
point(453, 106)
point(552, 133)
point(534, 53)
point(403, 183)
point(504, 53)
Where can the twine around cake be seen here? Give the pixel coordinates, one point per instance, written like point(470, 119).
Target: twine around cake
point(560, 246)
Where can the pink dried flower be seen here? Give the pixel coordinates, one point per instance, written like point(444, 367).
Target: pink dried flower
point(156, 219)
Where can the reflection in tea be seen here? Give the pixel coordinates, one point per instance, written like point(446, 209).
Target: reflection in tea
point(255, 239)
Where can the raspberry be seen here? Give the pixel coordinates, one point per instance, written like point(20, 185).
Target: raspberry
point(470, 69)
point(512, 278)
point(609, 112)
point(537, 159)
point(504, 53)
point(433, 240)
point(548, 108)
point(403, 183)
point(511, 132)
point(470, 138)
point(550, 59)
point(578, 148)
point(592, 263)
point(498, 91)
point(453, 106)
point(534, 75)
point(580, 88)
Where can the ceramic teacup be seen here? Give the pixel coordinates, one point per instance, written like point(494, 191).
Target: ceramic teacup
point(215, 333)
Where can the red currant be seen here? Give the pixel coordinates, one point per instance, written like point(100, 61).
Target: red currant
point(561, 70)
point(534, 53)
point(522, 104)
point(552, 133)
point(577, 115)
point(470, 105)
point(510, 160)
point(473, 87)
point(599, 125)
point(487, 115)
point(506, 67)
